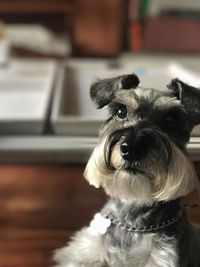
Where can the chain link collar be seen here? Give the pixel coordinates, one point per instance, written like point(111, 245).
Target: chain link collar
point(147, 229)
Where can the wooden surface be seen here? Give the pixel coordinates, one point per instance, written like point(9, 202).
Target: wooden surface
point(98, 27)
point(41, 207)
point(35, 6)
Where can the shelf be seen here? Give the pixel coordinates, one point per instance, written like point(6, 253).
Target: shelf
point(59, 149)
point(45, 149)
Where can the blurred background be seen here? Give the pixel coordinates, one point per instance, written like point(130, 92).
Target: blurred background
point(50, 53)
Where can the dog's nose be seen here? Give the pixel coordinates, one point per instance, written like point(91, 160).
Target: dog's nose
point(125, 153)
point(134, 151)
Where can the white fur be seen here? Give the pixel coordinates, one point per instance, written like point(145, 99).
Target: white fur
point(157, 185)
point(95, 171)
point(148, 250)
point(180, 179)
point(85, 249)
point(164, 253)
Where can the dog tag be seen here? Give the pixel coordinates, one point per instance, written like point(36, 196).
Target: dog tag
point(99, 225)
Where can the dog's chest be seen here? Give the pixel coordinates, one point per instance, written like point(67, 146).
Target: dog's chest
point(140, 250)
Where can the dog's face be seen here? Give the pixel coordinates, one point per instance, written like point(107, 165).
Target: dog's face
point(141, 154)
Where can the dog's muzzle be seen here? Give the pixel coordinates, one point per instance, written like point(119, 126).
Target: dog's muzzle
point(138, 144)
point(135, 147)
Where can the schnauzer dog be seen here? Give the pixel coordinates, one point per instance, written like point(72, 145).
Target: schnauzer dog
point(142, 163)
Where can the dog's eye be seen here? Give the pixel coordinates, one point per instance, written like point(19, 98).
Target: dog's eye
point(121, 113)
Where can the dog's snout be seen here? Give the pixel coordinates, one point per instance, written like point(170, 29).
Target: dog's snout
point(135, 148)
point(138, 144)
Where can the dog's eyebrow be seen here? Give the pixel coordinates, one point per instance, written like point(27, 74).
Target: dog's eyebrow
point(166, 102)
point(115, 104)
point(127, 98)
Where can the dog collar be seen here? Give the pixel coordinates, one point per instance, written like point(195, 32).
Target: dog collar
point(146, 229)
point(99, 225)
point(157, 220)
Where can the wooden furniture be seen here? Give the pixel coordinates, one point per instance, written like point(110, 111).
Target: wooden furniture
point(98, 27)
point(35, 6)
point(42, 206)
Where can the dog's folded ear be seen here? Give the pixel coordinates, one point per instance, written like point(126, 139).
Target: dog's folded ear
point(189, 97)
point(104, 90)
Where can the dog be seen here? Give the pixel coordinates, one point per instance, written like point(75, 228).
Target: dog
point(142, 163)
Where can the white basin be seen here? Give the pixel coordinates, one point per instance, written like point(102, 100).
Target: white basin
point(73, 111)
point(25, 91)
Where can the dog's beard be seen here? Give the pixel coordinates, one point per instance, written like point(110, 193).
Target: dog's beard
point(158, 177)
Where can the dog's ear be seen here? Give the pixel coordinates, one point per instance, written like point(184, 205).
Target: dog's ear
point(189, 97)
point(104, 90)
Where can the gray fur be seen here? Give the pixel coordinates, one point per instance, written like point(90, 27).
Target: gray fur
point(104, 90)
point(189, 97)
point(134, 228)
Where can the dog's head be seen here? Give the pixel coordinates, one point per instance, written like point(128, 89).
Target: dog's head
point(141, 154)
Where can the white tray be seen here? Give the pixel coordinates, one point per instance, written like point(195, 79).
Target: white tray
point(73, 112)
point(25, 91)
